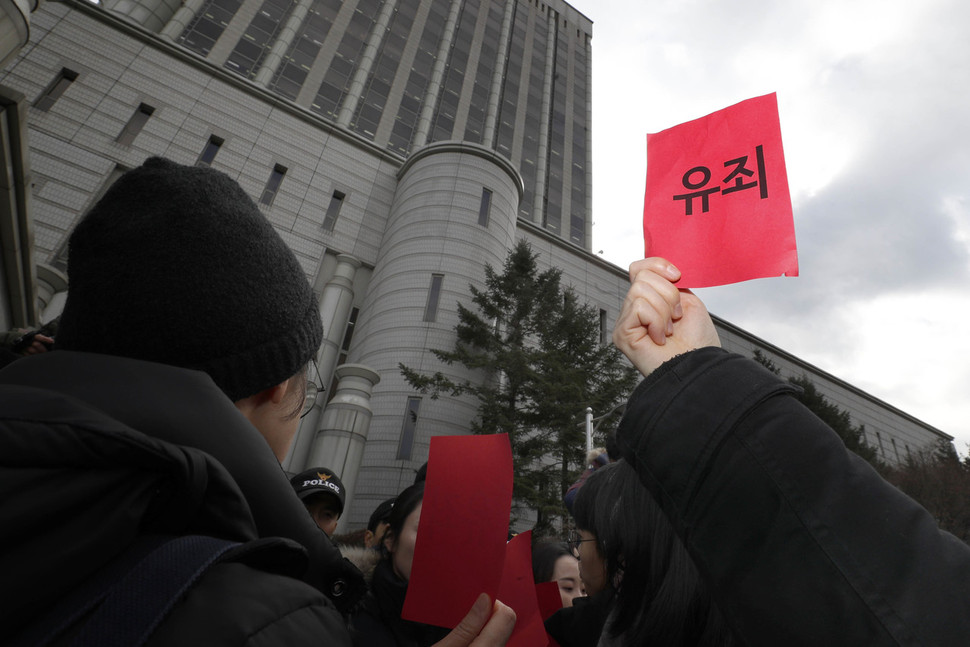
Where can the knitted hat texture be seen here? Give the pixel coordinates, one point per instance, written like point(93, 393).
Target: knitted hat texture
point(176, 264)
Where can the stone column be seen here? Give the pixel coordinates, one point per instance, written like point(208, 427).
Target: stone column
point(339, 443)
point(282, 43)
point(356, 90)
point(185, 14)
point(153, 15)
point(542, 158)
point(423, 129)
point(335, 306)
point(498, 76)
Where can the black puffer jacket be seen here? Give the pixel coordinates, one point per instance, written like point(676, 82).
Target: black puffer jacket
point(802, 541)
point(98, 450)
point(377, 622)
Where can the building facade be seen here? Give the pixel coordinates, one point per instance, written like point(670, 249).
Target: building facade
point(398, 146)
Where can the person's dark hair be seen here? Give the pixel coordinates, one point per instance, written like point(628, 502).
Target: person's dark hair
point(422, 473)
point(380, 514)
point(612, 449)
point(660, 596)
point(545, 553)
point(404, 505)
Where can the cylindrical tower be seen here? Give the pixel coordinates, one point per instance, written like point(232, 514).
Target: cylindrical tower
point(153, 15)
point(454, 211)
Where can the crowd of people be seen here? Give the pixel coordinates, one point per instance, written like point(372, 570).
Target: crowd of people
point(724, 514)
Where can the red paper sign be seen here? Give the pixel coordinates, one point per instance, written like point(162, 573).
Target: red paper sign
point(550, 600)
point(460, 548)
point(717, 203)
point(518, 590)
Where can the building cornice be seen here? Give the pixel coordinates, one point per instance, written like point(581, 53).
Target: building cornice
point(465, 148)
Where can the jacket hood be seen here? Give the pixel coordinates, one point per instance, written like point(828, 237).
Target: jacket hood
point(76, 488)
point(102, 413)
point(365, 559)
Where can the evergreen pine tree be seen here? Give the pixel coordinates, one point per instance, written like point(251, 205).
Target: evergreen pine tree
point(542, 363)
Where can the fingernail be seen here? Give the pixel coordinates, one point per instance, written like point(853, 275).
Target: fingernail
point(678, 311)
point(670, 327)
point(482, 604)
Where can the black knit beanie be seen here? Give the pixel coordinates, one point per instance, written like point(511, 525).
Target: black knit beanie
point(176, 264)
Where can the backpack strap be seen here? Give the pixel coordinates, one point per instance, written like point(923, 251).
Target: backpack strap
point(130, 598)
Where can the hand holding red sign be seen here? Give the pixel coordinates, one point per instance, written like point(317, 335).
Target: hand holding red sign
point(461, 549)
point(717, 203)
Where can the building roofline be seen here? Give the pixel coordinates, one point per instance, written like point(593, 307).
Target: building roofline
point(811, 368)
point(466, 148)
point(740, 332)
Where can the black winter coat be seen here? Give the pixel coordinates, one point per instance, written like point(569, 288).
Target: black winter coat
point(802, 541)
point(378, 623)
point(96, 451)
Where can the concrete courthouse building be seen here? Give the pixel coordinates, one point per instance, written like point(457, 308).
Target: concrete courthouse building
point(397, 145)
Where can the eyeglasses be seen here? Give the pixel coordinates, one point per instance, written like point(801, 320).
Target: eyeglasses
point(575, 539)
point(313, 387)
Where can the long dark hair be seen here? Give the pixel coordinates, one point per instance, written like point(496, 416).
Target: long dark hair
point(660, 597)
point(545, 554)
point(404, 505)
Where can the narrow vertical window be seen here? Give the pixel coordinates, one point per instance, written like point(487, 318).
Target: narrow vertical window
point(434, 294)
point(333, 210)
point(485, 209)
point(344, 347)
point(896, 450)
point(604, 330)
point(407, 428)
point(54, 91)
point(882, 450)
point(272, 185)
point(135, 124)
point(209, 152)
point(348, 334)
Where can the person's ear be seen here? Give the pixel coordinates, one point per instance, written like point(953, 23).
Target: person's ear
point(276, 394)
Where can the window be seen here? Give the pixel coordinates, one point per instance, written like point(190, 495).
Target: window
point(348, 334)
point(333, 210)
point(345, 346)
point(209, 152)
point(604, 330)
point(135, 124)
point(54, 91)
point(485, 208)
point(272, 185)
point(434, 294)
point(407, 428)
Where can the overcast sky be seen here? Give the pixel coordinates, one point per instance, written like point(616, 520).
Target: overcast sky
point(874, 99)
